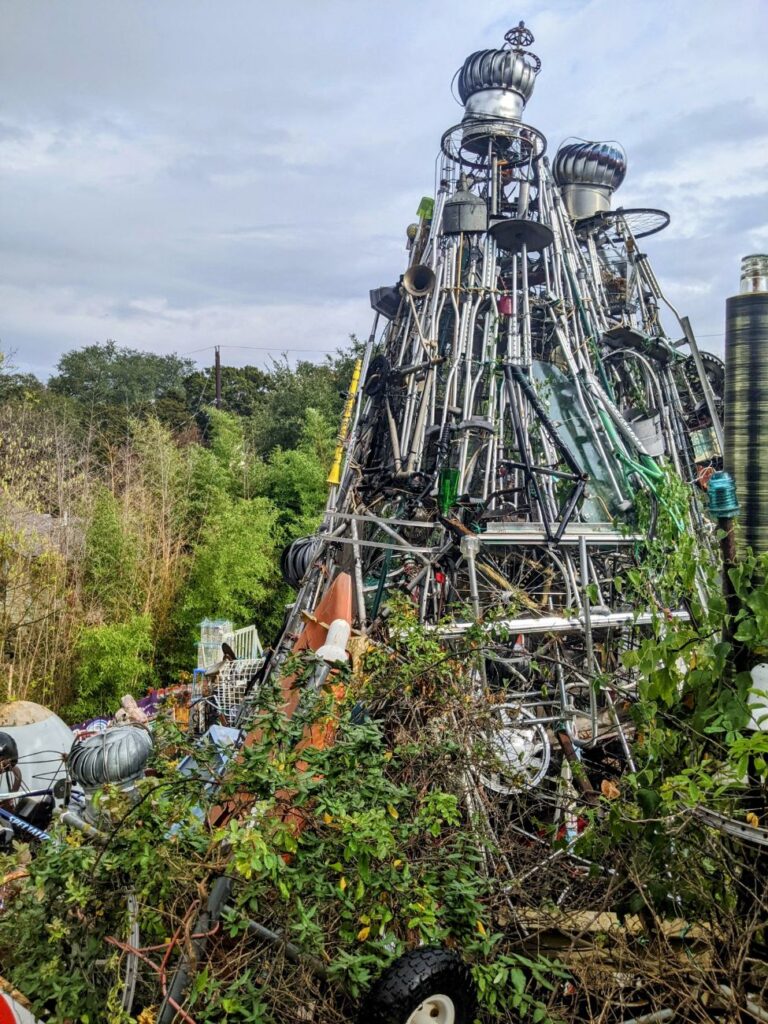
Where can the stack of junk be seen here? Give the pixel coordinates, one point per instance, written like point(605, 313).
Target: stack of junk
point(47, 766)
point(518, 402)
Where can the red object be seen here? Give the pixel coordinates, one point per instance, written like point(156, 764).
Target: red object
point(12, 1012)
point(505, 305)
point(562, 832)
point(703, 476)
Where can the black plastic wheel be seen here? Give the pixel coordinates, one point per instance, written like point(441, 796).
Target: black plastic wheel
point(435, 981)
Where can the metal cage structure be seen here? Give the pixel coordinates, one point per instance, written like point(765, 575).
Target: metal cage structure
point(518, 401)
point(232, 688)
point(519, 398)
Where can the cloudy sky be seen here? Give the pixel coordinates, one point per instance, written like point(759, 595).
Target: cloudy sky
point(176, 174)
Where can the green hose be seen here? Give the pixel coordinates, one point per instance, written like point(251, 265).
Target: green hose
point(643, 467)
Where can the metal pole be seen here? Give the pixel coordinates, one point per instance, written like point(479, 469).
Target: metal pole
point(588, 645)
point(728, 552)
point(218, 378)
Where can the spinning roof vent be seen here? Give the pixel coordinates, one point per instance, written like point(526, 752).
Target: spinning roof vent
point(117, 755)
point(589, 173)
point(496, 84)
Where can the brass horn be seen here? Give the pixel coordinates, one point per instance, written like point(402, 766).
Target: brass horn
point(419, 280)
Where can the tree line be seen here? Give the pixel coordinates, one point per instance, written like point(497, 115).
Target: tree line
point(131, 509)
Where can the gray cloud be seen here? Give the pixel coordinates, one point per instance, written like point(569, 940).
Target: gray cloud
point(194, 172)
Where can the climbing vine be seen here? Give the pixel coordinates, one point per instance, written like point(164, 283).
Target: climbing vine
point(385, 840)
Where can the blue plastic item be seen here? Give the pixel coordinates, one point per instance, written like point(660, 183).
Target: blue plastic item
point(721, 493)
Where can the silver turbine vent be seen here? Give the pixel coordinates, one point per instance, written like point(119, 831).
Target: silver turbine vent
point(588, 173)
point(117, 755)
point(495, 85)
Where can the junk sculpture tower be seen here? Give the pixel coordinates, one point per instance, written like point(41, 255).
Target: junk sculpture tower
point(519, 401)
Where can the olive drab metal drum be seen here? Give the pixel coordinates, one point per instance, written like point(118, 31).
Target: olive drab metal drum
point(746, 400)
point(465, 211)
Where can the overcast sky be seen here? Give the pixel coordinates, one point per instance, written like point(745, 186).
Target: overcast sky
point(180, 173)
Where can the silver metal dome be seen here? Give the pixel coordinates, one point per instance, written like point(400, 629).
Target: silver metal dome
point(117, 755)
point(498, 83)
point(588, 173)
point(590, 163)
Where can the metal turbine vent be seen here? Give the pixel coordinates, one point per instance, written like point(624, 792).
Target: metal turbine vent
point(498, 83)
point(494, 86)
point(117, 755)
point(588, 173)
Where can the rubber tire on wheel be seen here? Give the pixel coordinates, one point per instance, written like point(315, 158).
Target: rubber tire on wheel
point(412, 979)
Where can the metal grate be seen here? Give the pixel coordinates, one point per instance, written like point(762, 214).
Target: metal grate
point(230, 689)
point(244, 642)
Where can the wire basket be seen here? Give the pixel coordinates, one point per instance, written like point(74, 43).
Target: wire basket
point(229, 692)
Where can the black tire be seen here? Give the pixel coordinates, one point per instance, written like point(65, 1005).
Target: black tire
point(412, 979)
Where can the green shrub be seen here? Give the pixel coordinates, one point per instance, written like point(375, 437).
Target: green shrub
point(112, 660)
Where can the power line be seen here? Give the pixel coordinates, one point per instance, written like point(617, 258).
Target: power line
point(258, 348)
point(273, 348)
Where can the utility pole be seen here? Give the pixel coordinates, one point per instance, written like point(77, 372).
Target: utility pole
point(218, 378)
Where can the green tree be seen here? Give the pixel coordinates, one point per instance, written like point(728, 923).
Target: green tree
point(297, 478)
point(161, 519)
point(234, 566)
point(15, 386)
point(112, 660)
point(242, 389)
point(109, 375)
point(279, 418)
point(110, 562)
point(240, 472)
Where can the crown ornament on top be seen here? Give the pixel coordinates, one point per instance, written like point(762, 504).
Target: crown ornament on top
point(519, 37)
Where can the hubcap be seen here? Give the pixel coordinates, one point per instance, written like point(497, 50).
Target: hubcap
point(436, 1009)
point(522, 751)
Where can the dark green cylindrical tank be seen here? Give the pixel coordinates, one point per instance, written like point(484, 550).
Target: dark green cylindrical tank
point(746, 399)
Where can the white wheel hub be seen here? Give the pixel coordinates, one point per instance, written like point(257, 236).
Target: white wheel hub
point(521, 749)
point(436, 1009)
